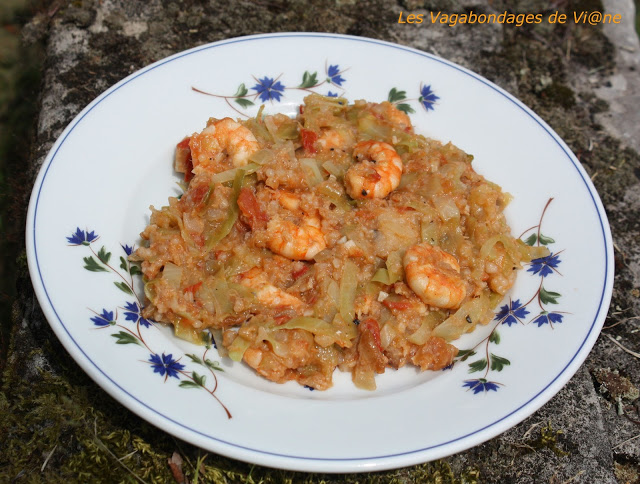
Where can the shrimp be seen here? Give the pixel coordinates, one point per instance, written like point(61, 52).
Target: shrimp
point(434, 275)
point(222, 139)
point(267, 293)
point(377, 173)
point(288, 200)
point(297, 242)
point(300, 241)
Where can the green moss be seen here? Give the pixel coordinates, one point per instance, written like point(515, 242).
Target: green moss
point(559, 94)
point(59, 425)
point(80, 443)
point(626, 472)
point(548, 439)
point(615, 387)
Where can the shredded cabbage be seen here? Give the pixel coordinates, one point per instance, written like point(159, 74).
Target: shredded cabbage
point(318, 327)
point(238, 347)
point(312, 173)
point(172, 274)
point(382, 276)
point(228, 175)
point(395, 270)
point(348, 286)
point(232, 214)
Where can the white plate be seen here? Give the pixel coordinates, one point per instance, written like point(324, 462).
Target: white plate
point(114, 160)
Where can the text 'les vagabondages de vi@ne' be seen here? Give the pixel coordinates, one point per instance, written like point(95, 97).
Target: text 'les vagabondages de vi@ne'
point(452, 19)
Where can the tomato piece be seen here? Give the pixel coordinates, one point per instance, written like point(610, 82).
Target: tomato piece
point(183, 162)
point(193, 288)
point(250, 208)
point(299, 272)
point(198, 239)
point(308, 140)
point(194, 197)
point(281, 319)
point(188, 174)
point(371, 325)
point(400, 305)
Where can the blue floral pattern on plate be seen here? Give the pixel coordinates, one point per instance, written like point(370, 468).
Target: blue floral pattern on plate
point(427, 99)
point(271, 89)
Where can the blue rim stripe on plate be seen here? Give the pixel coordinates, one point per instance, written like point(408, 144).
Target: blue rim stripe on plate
point(507, 96)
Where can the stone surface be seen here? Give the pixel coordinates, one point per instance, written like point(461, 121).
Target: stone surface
point(579, 78)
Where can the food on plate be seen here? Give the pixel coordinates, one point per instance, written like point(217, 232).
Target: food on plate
point(338, 239)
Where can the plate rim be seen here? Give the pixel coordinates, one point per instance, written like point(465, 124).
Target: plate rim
point(293, 462)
